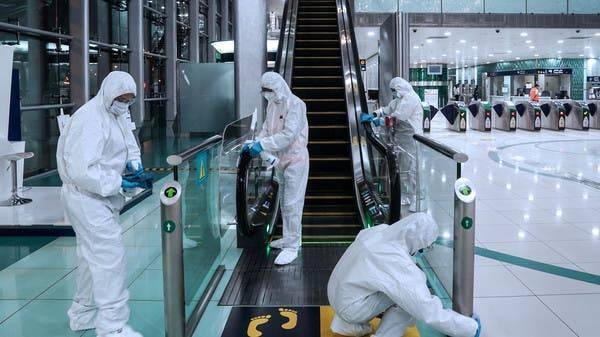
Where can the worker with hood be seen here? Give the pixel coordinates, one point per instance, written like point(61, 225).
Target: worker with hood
point(284, 134)
point(95, 148)
point(377, 275)
point(408, 113)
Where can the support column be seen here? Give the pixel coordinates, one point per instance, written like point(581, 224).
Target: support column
point(212, 27)
point(79, 27)
point(225, 19)
point(250, 22)
point(404, 46)
point(136, 60)
point(194, 35)
point(171, 39)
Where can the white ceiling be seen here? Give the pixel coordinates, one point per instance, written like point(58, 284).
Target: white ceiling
point(469, 46)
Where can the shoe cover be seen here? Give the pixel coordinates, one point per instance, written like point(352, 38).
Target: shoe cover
point(81, 325)
point(189, 243)
point(405, 201)
point(126, 331)
point(278, 244)
point(286, 256)
point(344, 328)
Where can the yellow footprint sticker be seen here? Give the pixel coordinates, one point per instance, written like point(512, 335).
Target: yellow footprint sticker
point(255, 322)
point(291, 315)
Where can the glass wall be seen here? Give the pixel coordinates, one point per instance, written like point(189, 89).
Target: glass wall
point(480, 6)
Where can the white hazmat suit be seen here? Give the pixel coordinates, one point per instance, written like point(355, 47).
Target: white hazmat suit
point(91, 156)
point(284, 134)
point(408, 112)
point(377, 274)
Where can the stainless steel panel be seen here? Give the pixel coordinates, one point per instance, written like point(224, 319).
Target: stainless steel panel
point(387, 58)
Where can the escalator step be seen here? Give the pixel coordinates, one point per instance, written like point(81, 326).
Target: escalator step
point(317, 43)
point(320, 14)
point(330, 219)
point(317, 60)
point(316, 118)
point(317, 51)
point(322, 80)
point(317, 28)
point(318, 92)
point(317, 35)
point(318, 104)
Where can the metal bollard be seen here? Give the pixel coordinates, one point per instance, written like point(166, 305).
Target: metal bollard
point(172, 258)
point(464, 247)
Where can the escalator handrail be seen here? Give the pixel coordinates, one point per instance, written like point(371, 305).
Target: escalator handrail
point(358, 106)
point(449, 152)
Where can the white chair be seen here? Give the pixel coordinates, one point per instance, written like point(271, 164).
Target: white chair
point(15, 199)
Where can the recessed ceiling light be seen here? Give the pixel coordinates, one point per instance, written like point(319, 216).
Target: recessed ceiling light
point(434, 58)
point(528, 41)
point(501, 60)
point(597, 34)
point(458, 51)
point(487, 63)
point(415, 47)
point(423, 61)
point(581, 55)
point(560, 41)
point(560, 51)
point(447, 34)
point(524, 34)
point(474, 47)
point(429, 40)
point(531, 47)
point(490, 55)
point(463, 41)
point(444, 55)
point(371, 33)
point(587, 47)
point(536, 55)
point(509, 51)
point(517, 58)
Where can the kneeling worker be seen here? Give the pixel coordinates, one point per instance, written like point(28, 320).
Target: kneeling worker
point(377, 275)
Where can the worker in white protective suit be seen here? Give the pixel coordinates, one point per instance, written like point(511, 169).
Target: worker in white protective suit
point(96, 147)
point(284, 134)
point(408, 113)
point(377, 275)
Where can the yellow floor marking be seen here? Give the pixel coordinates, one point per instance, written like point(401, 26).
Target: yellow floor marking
point(327, 317)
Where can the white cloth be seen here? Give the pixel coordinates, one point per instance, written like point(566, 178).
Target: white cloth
point(377, 274)
point(284, 134)
point(91, 156)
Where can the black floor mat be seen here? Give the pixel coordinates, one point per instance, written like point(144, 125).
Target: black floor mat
point(256, 281)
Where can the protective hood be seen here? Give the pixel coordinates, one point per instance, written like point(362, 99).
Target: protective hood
point(401, 86)
point(115, 84)
point(275, 82)
point(418, 233)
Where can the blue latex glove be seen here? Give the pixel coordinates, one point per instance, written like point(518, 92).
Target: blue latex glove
point(246, 147)
point(136, 168)
point(126, 183)
point(255, 149)
point(377, 121)
point(365, 117)
point(476, 318)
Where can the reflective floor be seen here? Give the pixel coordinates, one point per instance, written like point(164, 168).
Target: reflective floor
point(537, 231)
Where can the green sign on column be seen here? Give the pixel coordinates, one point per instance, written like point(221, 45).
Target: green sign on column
point(169, 226)
point(466, 223)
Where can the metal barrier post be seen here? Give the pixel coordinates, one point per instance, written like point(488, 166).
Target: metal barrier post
point(464, 247)
point(172, 258)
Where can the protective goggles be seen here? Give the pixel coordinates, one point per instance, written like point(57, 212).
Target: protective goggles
point(125, 100)
point(263, 89)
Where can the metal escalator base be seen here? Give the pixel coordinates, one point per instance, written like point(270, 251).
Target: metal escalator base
point(257, 281)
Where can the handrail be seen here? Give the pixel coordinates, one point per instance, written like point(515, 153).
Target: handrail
point(287, 39)
point(458, 157)
point(357, 102)
point(177, 159)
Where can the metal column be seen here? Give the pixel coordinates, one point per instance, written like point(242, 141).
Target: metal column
point(172, 259)
point(225, 20)
point(171, 40)
point(404, 46)
point(194, 34)
point(464, 247)
point(212, 28)
point(250, 55)
point(79, 27)
point(136, 60)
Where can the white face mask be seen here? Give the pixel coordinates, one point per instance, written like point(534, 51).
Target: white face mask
point(119, 108)
point(269, 95)
point(395, 94)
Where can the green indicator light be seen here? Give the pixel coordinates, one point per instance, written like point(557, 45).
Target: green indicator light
point(465, 190)
point(170, 192)
point(169, 226)
point(466, 223)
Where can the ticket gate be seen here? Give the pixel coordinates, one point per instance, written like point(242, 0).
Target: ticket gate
point(577, 115)
point(529, 116)
point(505, 117)
point(429, 112)
point(593, 107)
point(553, 115)
point(456, 115)
point(480, 118)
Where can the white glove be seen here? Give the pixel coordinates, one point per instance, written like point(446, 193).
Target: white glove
point(378, 112)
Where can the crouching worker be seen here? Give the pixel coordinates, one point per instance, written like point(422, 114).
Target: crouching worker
point(377, 275)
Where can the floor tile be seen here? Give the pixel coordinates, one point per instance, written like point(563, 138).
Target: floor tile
point(518, 316)
point(592, 268)
point(40, 318)
point(148, 286)
point(556, 232)
point(536, 251)
point(492, 218)
point(214, 320)
point(508, 233)
point(17, 284)
point(542, 283)
point(578, 251)
point(49, 257)
point(533, 216)
point(9, 307)
point(496, 281)
point(579, 312)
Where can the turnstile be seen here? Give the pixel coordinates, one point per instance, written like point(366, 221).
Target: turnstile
point(505, 117)
point(456, 115)
point(429, 112)
point(480, 118)
point(553, 115)
point(593, 107)
point(577, 115)
point(529, 116)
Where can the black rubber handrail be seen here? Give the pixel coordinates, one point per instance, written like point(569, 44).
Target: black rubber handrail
point(241, 200)
point(449, 152)
point(177, 159)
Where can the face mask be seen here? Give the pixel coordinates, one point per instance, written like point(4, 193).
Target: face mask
point(269, 95)
point(119, 108)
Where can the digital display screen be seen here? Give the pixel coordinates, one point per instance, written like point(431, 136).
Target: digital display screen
point(465, 190)
point(434, 69)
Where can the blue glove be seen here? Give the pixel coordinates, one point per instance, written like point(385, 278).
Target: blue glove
point(136, 168)
point(126, 183)
point(246, 147)
point(476, 318)
point(377, 121)
point(365, 117)
point(255, 149)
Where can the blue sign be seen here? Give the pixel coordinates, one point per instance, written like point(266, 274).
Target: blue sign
point(202, 168)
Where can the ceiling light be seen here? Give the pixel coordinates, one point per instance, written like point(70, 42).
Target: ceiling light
point(474, 47)
point(587, 47)
point(560, 51)
point(536, 55)
point(509, 51)
point(416, 47)
point(501, 60)
point(434, 58)
point(423, 61)
point(444, 55)
point(487, 63)
point(490, 55)
point(528, 41)
point(531, 47)
point(475, 58)
point(371, 33)
point(517, 58)
point(581, 55)
point(224, 47)
point(447, 34)
point(597, 34)
point(463, 41)
point(458, 51)
point(560, 41)
point(429, 40)
point(524, 34)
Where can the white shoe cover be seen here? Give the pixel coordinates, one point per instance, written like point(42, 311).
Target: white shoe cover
point(277, 244)
point(189, 243)
point(126, 331)
point(81, 325)
point(343, 328)
point(286, 256)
